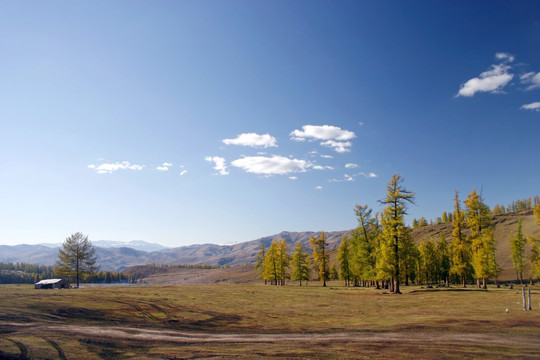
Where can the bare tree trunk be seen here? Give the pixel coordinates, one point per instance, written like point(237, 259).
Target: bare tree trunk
point(530, 307)
point(524, 299)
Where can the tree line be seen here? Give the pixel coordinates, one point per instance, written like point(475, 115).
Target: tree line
point(380, 251)
point(22, 273)
point(516, 205)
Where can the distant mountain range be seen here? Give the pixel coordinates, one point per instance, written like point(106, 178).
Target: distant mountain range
point(116, 256)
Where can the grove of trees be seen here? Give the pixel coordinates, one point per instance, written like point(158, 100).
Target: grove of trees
point(380, 251)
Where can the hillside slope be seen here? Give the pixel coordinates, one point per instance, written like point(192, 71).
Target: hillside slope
point(505, 225)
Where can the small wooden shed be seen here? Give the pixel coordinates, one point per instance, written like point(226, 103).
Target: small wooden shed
point(52, 284)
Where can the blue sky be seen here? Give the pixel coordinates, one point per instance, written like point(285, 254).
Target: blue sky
point(182, 122)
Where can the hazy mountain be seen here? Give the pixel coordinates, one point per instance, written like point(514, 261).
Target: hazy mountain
point(133, 244)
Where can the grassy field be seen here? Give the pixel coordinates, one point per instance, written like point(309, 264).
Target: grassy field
point(257, 321)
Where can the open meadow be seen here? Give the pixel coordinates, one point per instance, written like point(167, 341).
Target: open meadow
point(257, 321)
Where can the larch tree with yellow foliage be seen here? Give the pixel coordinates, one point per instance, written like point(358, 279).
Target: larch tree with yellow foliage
point(321, 256)
point(300, 261)
point(481, 238)
point(461, 247)
point(393, 221)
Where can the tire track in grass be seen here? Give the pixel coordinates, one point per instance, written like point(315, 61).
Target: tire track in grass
point(22, 348)
point(138, 309)
point(55, 345)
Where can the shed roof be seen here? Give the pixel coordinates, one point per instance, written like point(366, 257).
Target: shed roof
point(48, 281)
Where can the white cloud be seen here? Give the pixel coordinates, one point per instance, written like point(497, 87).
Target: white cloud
point(532, 79)
point(320, 167)
point(493, 80)
point(351, 166)
point(504, 57)
point(368, 175)
point(108, 168)
point(535, 106)
point(361, 123)
point(219, 164)
point(183, 172)
point(323, 132)
point(318, 187)
point(253, 140)
point(348, 177)
point(338, 146)
point(164, 167)
point(293, 177)
point(327, 156)
point(275, 165)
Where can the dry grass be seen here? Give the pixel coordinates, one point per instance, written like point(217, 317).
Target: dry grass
point(256, 321)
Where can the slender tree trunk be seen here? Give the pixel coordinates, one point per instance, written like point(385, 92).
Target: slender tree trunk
point(484, 283)
point(77, 265)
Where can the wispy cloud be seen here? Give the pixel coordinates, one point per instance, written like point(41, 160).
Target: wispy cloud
point(275, 165)
point(532, 79)
point(219, 164)
point(370, 175)
point(107, 168)
point(164, 167)
point(318, 187)
point(293, 177)
point(320, 167)
point(535, 106)
point(504, 57)
point(327, 156)
point(253, 140)
point(348, 178)
point(183, 172)
point(351, 166)
point(338, 146)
